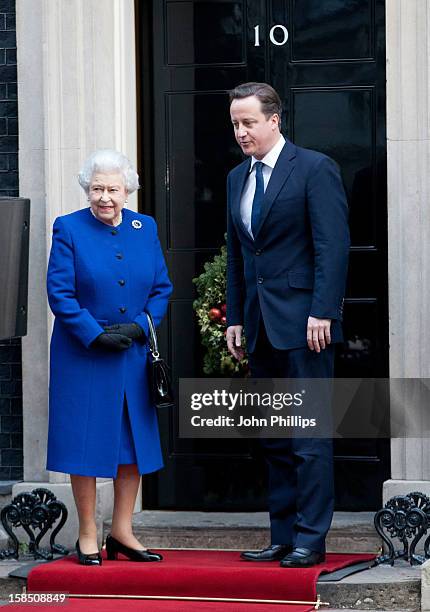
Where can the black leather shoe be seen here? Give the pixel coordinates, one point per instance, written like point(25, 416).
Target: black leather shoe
point(113, 547)
point(302, 557)
point(91, 559)
point(275, 552)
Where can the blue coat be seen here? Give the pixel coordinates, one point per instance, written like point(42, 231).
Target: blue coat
point(296, 266)
point(99, 275)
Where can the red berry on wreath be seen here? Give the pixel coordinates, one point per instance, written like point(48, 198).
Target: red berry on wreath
point(223, 320)
point(214, 314)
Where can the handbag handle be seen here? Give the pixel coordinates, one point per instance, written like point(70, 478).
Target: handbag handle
point(153, 342)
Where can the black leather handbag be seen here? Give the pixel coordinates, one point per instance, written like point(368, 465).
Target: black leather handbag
point(158, 372)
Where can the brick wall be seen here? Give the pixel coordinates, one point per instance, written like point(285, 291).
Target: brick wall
point(8, 101)
point(10, 350)
point(10, 410)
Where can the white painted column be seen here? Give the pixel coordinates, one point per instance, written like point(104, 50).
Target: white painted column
point(76, 93)
point(408, 149)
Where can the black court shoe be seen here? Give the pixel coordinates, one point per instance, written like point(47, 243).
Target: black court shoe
point(91, 559)
point(113, 547)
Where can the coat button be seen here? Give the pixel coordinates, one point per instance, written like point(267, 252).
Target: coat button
point(260, 280)
point(119, 255)
point(121, 282)
point(122, 310)
point(258, 252)
point(114, 232)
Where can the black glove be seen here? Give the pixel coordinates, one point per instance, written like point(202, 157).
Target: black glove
point(131, 330)
point(113, 342)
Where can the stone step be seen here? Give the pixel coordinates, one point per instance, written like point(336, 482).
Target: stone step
point(350, 531)
point(396, 588)
point(6, 491)
point(5, 499)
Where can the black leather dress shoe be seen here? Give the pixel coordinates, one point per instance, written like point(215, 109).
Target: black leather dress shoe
point(114, 546)
point(275, 552)
point(84, 559)
point(302, 557)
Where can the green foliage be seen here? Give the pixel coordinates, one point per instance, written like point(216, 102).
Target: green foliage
point(211, 290)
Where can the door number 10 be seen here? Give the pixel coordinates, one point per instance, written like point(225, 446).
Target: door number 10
point(273, 40)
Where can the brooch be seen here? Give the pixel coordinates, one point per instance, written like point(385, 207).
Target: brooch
point(136, 224)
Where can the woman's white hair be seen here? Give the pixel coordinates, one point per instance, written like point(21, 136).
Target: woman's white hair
point(108, 160)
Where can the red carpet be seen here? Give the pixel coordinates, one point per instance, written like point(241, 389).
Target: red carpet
point(183, 573)
point(118, 605)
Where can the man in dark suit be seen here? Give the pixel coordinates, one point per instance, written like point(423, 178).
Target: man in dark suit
point(288, 245)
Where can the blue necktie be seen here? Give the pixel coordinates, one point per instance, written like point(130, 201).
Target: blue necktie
point(258, 197)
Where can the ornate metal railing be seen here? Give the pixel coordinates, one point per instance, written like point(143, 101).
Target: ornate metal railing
point(407, 519)
point(34, 511)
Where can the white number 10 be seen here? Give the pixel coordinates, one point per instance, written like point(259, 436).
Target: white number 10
point(273, 40)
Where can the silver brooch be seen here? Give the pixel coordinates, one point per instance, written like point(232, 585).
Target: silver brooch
point(136, 224)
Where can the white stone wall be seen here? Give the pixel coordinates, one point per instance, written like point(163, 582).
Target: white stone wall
point(408, 140)
point(408, 151)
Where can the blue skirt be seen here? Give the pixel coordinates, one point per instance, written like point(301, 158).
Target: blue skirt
point(127, 452)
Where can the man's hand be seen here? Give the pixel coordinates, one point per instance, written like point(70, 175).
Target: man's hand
point(318, 333)
point(234, 341)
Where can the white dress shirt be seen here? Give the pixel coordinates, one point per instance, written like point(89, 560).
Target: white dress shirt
point(269, 161)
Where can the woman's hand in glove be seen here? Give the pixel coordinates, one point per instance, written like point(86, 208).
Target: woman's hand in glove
point(113, 342)
point(131, 330)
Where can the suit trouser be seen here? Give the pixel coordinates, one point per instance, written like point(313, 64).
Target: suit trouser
point(300, 470)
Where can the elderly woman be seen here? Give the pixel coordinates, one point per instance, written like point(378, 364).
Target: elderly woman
point(106, 270)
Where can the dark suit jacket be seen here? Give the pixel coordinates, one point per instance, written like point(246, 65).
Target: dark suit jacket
point(297, 265)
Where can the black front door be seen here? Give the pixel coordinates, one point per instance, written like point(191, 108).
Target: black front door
point(327, 61)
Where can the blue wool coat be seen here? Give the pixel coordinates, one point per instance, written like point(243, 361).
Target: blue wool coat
point(99, 275)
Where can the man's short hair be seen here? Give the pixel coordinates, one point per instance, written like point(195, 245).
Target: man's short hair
point(270, 101)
